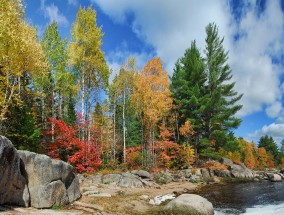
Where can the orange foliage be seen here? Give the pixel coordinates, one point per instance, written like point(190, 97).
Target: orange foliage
point(186, 129)
point(167, 152)
point(262, 158)
point(215, 165)
point(134, 157)
point(249, 159)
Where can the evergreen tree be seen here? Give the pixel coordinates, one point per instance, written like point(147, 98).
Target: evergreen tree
point(188, 89)
point(269, 144)
point(221, 101)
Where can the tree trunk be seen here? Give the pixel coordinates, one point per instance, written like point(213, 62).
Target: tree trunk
point(124, 128)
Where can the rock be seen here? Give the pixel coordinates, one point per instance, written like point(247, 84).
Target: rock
point(274, 177)
point(190, 204)
point(282, 176)
point(142, 174)
point(73, 188)
point(187, 173)
point(198, 172)
point(85, 205)
point(100, 195)
point(129, 180)
point(144, 197)
point(163, 177)
point(46, 196)
point(159, 199)
point(240, 171)
point(226, 161)
point(211, 172)
point(13, 177)
point(47, 176)
point(96, 179)
point(222, 173)
point(111, 178)
point(205, 173)
point(151, 202)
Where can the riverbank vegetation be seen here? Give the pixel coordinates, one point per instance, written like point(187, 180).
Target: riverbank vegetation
point(51, 101)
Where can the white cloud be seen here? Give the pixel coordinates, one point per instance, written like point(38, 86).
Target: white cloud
point(274, 110)
point(276, 130)
point(53, 14)
point(169, 27)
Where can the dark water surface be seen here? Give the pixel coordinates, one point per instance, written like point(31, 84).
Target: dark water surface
point(262, 197)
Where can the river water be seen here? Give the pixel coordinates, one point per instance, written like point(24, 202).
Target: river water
point(251, 198)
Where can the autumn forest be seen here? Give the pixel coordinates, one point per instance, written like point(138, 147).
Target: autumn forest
point(56, 98)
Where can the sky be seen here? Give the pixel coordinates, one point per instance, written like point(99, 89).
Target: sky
point(253, 34)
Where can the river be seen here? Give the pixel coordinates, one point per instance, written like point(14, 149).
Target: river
point(251, 198)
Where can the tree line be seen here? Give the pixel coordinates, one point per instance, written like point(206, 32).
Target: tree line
point(50, 100)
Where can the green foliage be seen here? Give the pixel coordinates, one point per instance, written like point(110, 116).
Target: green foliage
point(208, 149)
point(270, 146)
point(221, 102)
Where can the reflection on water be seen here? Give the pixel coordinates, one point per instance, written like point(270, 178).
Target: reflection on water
point(251, 198)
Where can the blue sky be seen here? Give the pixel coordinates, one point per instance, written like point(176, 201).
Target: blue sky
point(253, 31)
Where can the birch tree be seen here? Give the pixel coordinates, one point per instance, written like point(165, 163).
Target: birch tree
point(87, 59)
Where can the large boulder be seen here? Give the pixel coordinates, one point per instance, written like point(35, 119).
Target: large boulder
point(50, 181)
point(190, 204)
point(241, 171)
point(13, 178)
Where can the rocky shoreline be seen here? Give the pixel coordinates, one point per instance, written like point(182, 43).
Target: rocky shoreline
point(29, 179)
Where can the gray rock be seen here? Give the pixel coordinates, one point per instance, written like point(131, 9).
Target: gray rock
point(190, 204)
point(46, 196)
point(73, 188)
point(142, 174)
point(130, 181)
point(211, 172)
point(282, 176)
point(163, 177)
point(13, 177)
point(222, 173)
point(226, 161)
point(111, 178)
point(274, 177)
point(187, 173)
point(205, 173)
point(41, 169)
point(240, 171)
point(198, 172)
point(43, 172)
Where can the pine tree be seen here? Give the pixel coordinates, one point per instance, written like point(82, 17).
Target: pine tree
point(188, 90)
point(221, 101)
point(270, 146)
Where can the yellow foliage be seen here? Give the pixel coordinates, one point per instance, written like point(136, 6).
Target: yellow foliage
point(20, 52)
point(151, 96)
